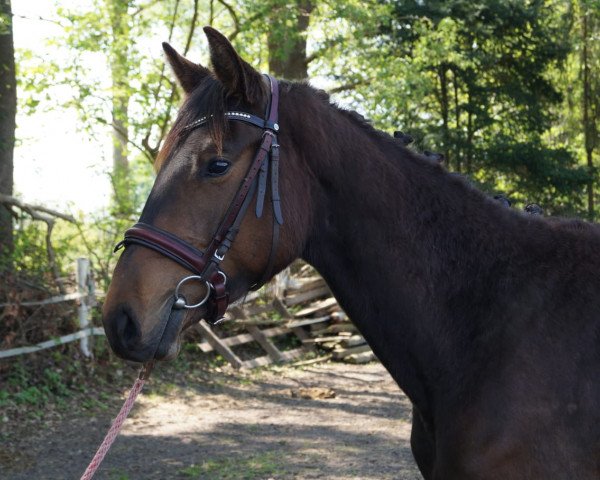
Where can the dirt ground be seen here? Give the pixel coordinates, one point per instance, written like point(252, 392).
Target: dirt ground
point(265, 424)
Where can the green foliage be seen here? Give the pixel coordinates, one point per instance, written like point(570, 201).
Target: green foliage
point(25, 389)
point(33, 396)
point(30, 253)
point(54, 382)
point(33, 385)
point(468, 79)
point(118, 475)
point(5, 22)
point(4, 397)
point(532, 172)
point(93, 236)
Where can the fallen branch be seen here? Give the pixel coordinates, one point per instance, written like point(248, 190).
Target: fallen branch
point(304, 363)
point(33, 209)
point(48, 216)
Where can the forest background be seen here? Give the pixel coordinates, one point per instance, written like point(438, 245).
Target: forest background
point(508, 91)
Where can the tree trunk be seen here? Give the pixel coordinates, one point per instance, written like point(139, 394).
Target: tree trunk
point(457, 150)
point(8, 110)
point(287, 46)
point(469, 160)
point(444, 107)
point(589, 122)
point(120, 100)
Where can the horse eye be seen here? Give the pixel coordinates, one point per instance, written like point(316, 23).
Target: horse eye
point(218, 167)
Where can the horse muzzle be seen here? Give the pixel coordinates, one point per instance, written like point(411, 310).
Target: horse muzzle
point(158, 336)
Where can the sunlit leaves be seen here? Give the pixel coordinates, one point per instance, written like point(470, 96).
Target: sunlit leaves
point(461, 75)
point(470, 78)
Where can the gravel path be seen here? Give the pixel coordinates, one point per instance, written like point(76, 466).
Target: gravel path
point(269, 424)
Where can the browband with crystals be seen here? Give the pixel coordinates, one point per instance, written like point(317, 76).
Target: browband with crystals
point(240, 116)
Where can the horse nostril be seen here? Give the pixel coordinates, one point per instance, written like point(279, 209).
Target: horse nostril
point(128, 330)
point(124, 334)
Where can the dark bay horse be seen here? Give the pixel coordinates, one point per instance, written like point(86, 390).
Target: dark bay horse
point(487, 318)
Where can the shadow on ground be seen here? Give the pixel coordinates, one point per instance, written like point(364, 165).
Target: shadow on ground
point(245, 430)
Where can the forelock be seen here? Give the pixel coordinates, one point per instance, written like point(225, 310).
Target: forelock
point(206, 100)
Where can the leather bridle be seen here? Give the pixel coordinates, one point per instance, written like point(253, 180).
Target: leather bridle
point(205, 265)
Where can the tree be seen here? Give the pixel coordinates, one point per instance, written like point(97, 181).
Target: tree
point(477, 80)
point(576, 120)
point(8, 110)
point(287, 39)
point(118, 55)
point(470, 78)
point(117, 84)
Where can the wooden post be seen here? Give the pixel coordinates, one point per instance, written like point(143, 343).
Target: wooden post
point(218, 345)
point(265, 343)
point(262, 340)
point(280, 308)
point(83, 274)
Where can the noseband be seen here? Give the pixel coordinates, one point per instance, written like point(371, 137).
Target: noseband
point(205, 265)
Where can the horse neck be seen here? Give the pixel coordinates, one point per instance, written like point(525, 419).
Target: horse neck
point(406, 249)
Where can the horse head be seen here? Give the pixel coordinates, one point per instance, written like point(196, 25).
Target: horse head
point(201, 240)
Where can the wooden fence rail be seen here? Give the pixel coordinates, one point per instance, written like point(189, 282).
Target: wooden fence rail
point(80, 335)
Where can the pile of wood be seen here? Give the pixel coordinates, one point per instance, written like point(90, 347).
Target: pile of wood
point(305, 308)
point(329, 328)
point(346, 346)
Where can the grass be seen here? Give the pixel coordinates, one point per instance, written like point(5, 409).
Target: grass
point(56, 382)
point(118, 475)
point(255, 467)
point(53, 384)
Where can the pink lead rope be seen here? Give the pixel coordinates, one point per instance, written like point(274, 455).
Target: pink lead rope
point(115, 428)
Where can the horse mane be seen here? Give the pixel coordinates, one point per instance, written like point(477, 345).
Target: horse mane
point(356, 118)
point(210, 99)
point(386, 141)
point(454, 192)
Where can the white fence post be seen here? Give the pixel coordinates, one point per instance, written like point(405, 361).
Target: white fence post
point(84, 287)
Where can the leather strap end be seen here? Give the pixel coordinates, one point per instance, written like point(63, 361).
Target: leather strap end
point(262, 188)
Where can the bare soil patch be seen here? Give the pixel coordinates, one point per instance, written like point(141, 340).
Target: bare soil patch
point(325, 421)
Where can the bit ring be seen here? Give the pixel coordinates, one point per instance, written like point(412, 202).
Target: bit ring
point(180, 301)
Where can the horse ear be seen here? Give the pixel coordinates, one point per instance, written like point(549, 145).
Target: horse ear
point(189, 74)
point(238, 77)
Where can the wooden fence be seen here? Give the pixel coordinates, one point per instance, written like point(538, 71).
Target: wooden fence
point(86, 299)
point(307, 311)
